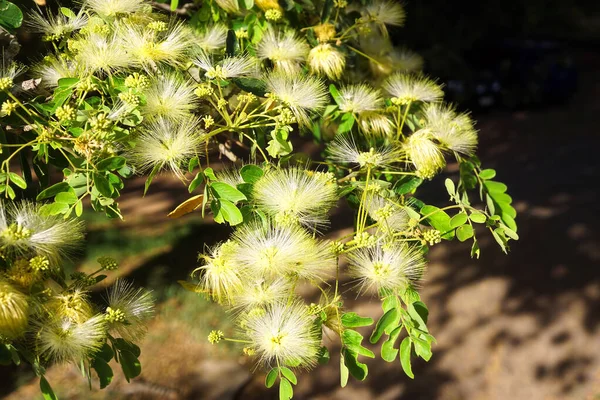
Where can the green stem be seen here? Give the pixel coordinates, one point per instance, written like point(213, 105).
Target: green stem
point(403, 120)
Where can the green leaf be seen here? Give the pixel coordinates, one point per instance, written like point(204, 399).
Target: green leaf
point(251, 173)
point(353, 341)
point(174, 5)
point(252, 85)
point(487, 174)
point(224, 191)
point(209, 174)
point(405, 350)
point(506, 209)
point(17, 180)
point(357, 369)
point(336, 95)
point(286, 391)
point(478, 217)
point(464, 232)
point(499, 239)
point(495, 187)
point(129, 364)
point(104, 371)
point(11, 16)
point(46, 389)
point(388, 351)
point(123, 344)
point(419, 312)
point(458, 220)
point(439, 220)
point(324, 355)
point(450, 188)
point(193, 163)
point(54, 209)
point(106, 353)
point(327, 9)
point(409, 185)
point(289, 375)
point(111, 164)
point(271, 377)
point(67, 12)
point(344, 372)
point(151, 177)
point(353, 320)
point(195, 182)
point(232, 45)
point(422, 348)
point(53, 190)
point(490, 204)
point(510, 233)
point(386, 320)
point(224, 210)
point(66, 197)
point(347, 123)
point(103, 185)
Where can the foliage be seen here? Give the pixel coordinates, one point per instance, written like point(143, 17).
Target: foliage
point(127, 90)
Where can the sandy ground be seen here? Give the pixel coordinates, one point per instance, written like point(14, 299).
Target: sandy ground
point(520, 327)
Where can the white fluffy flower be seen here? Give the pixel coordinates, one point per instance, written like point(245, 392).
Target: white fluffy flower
point(213, 39)
point(129, 310)
point(359, 98)
point(285, 50)
point(24, 232)
point(327, 60)
point(296, 195)
point(109, 8)
point(103, 53)
point(170, 97)
point(284, 336)
point(14, 310)
point(220, 276)
point(55, 25)
point(303, 94)
point(424, 153)
point(167, 145)
point(390, 268)
point(344, 150)
point(454, 131)
point(389, 215)
point(408, 88)
point(229, 67)
point(52, 69)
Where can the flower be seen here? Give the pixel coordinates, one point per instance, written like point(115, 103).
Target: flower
point(271, 251)
point(325, 59)
point(8, 72)
point(385, 12)
point(165, 144)
point(55, 26)
point(388, 268)
point(150, 48)
point(284, 336)
point(72, 305)
point(52, 69)
point(212, 39)
point(23, 232)
point(64, 340)
point(406, 88)
point(230, 176)
point(296, 195)
point(286, 50)
point(230, 6)
point(425, 155)
point(109, 8)
point(454, 131)
point(103, 53)
point(129, 310)
point(229, 67)
point(171, 97)
point(303, 94)
point(220, 276)
point(262, 293)
point(344, 150)
point(359, 98)
point(14, 310)
point(375, 124)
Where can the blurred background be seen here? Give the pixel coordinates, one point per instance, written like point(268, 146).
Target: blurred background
point(522, 326)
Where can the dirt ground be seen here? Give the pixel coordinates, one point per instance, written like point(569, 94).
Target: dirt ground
point(524, 326)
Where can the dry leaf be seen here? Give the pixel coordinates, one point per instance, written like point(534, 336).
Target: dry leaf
point(187, 206)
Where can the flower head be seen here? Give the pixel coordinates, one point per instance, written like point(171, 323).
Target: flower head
point(52, 69)
point(454, 131)
point(63, 340)
point(262, 293)
point(285, 50)
point(170, 97)
point(273, 251)
point(385, 12)
point(220, 275)
point(344, 150)
point(407, 88)
point(374, 124)
point(55, 26)
point(99, 53)
point(359, 98)
point(389, 215)
point(25, 232)
point(303, 94)
point(8, 72)
point(110, 8)
point(284, 335)
point(212, 39)
point(386, 268)
point(230, 6)
point(14, 311)
point(229, 67)
point(296, 195)
point(424, 153)
point(129, 310)
point(167, 145)
point(325, 59)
